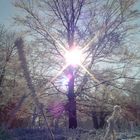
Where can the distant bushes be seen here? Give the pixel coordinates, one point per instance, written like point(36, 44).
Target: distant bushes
point(5, 114)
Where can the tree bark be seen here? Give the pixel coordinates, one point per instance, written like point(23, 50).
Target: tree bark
point(95, 120)
point(1, 79)
point(72, 101)
point(102, 119)
point(99, 119)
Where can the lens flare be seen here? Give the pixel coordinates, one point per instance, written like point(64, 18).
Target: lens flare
point(73, 57)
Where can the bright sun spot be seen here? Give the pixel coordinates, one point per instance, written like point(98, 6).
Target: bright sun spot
point(73, 57)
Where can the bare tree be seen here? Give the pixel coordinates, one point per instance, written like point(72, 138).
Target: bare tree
point(19, 44)
point(98, 28)
point(6, 51)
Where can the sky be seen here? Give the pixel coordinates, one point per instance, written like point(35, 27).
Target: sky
point(7, 11)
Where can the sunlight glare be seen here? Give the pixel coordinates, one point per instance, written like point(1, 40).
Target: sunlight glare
point(93, 77)
point(73, 57)
point(59, 73)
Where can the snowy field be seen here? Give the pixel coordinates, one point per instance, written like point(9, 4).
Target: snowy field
point(78, 134)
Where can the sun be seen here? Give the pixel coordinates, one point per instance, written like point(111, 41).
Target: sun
point(73, 57)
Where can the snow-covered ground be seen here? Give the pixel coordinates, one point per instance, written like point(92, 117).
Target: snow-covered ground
point(66, 134)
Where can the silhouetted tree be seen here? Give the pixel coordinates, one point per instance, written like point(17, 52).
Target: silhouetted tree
point(96, 27)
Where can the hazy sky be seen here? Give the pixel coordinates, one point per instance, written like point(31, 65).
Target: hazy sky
point(7, 11)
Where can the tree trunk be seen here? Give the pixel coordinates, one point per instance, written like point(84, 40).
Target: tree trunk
point(72, 101)
point(102, 119)
point(95, 120)
point(72, 114)
point(99, 119)
point(34, 118)
point(20, 44)
point(1, 79)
